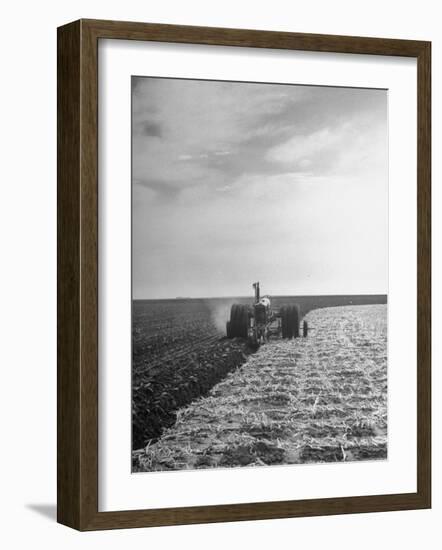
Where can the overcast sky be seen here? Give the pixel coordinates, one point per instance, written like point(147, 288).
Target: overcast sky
point(238, 182)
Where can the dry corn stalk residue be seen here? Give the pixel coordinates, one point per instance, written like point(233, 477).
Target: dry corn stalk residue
point(317, 399)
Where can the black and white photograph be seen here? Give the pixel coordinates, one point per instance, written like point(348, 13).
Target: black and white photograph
point(259, 274)
point(219, 250)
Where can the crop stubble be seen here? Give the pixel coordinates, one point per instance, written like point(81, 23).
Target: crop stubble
point(319, 399)
point(179, 354)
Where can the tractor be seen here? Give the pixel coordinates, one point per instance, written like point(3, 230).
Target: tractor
point(257, 322)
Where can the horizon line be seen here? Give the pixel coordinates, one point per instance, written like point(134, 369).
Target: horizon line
point(271, 295)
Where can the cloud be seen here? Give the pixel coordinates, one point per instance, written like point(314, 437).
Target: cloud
point(352, 146)
point(152, 129)
point(193, 157)
point(225, 127)
point(234, 181)
point(161, 188)
point(303, 147)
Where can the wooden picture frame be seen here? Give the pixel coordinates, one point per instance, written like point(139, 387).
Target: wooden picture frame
point(77, 225)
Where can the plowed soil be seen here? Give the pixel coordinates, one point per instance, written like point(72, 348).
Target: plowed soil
point(179, 353)
point(316, 399)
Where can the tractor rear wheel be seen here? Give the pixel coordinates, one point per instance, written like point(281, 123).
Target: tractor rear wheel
point(286, 322)
point(295, 320)
point(290, 321)
point(243, 321)
point(239, 321)
point(283, 314)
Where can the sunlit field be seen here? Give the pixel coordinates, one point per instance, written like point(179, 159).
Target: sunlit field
point(317, 399)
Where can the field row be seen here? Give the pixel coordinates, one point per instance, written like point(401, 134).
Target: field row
point(318, 399)
point(179, 354)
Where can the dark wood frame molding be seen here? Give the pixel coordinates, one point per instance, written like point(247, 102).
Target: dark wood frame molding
point(77, 224)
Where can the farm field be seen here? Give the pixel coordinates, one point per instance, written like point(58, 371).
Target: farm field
point(316, 399)
point(179, 352)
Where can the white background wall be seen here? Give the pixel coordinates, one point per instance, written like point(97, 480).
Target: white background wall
point(28, 273)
